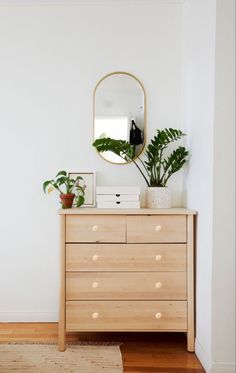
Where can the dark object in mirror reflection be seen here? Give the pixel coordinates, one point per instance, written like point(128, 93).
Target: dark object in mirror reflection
point(136, 135)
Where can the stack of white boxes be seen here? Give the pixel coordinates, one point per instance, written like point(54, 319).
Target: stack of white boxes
point(118, 197)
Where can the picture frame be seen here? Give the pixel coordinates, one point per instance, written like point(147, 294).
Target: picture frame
point(89, 178)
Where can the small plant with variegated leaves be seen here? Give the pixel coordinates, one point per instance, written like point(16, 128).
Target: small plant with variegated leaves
point(71, 190)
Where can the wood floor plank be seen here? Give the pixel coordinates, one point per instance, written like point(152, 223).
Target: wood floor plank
point(141, 352)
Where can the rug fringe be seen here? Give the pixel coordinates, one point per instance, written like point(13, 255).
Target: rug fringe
point(69, 343)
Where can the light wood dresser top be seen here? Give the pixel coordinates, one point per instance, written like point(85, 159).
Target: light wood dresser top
point(141, 211)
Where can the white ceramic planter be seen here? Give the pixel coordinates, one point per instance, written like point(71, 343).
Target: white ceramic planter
point(158, 198)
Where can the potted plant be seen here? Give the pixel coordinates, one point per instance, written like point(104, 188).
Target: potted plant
point(71, 190)
point(159, 164)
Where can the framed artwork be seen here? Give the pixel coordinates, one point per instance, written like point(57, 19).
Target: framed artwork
point(90, 182)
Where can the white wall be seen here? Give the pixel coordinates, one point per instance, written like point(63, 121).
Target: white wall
point(199, 47)
point(223, 282)
point(209, 115)
point(51, 59)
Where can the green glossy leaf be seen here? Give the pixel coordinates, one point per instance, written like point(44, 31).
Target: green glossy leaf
point(61, 173)
point(120, 147)
point(61, 180)
point(79, 201)
point(45, 185)
point(81, 189)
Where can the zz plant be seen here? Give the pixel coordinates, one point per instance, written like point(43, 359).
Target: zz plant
point(159, 164)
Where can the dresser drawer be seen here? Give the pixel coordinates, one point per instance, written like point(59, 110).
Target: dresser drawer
point(126, 315)
point(95, 228)
point(126, 257)
point(126, 286)
point(159, 228)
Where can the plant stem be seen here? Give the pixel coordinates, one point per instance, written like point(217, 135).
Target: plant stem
point(163, 180)
point(159, 167)
point(57, 187)
point(140, 170)
point(148, 184)
point(143, 164)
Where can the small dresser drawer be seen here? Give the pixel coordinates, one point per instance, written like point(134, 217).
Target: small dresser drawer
point(126, 286)
point(95, 228)
point(126, 315)
point(126, 257)
point(159, 228)
point(118, 205)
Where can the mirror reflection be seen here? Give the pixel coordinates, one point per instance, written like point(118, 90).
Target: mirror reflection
point(119, 112)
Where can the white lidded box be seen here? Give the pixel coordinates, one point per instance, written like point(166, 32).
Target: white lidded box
point(117, 197)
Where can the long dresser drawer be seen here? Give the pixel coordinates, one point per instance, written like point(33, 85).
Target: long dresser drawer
point(125, 285)
point(159, 228)
point(95, 228)
point(126, 315)
point(126, 257)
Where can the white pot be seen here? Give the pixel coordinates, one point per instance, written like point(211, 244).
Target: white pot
point(158, 198)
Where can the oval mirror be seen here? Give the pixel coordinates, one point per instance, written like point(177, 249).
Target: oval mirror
point(119, 113)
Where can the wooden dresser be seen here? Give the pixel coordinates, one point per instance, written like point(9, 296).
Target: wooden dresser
point(127, 270)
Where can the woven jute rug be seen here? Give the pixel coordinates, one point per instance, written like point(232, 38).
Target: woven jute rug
point(28, 358)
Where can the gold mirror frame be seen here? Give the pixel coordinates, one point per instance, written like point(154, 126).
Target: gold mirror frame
point(144, 113)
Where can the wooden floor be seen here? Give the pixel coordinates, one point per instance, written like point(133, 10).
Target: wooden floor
point(141, 352)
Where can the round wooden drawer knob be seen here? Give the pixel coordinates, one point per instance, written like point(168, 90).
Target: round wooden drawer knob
point(94, 285)
point(95, 228)
point(95, 258)
point(158, 315)
point(158, 285)
point(158, 258)
point(95, 315)
point(158, 228)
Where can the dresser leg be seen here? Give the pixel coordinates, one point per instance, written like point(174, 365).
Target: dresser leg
point(190, 284)
point(61, 338)
point(190, 341)
point(62, 321)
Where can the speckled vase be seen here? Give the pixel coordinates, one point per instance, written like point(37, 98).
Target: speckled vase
point(158, 198)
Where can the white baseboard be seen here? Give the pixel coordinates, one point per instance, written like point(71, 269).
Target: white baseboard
point(203, 356)
point(223, 368)
point(208, 365)
point(28, 316)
